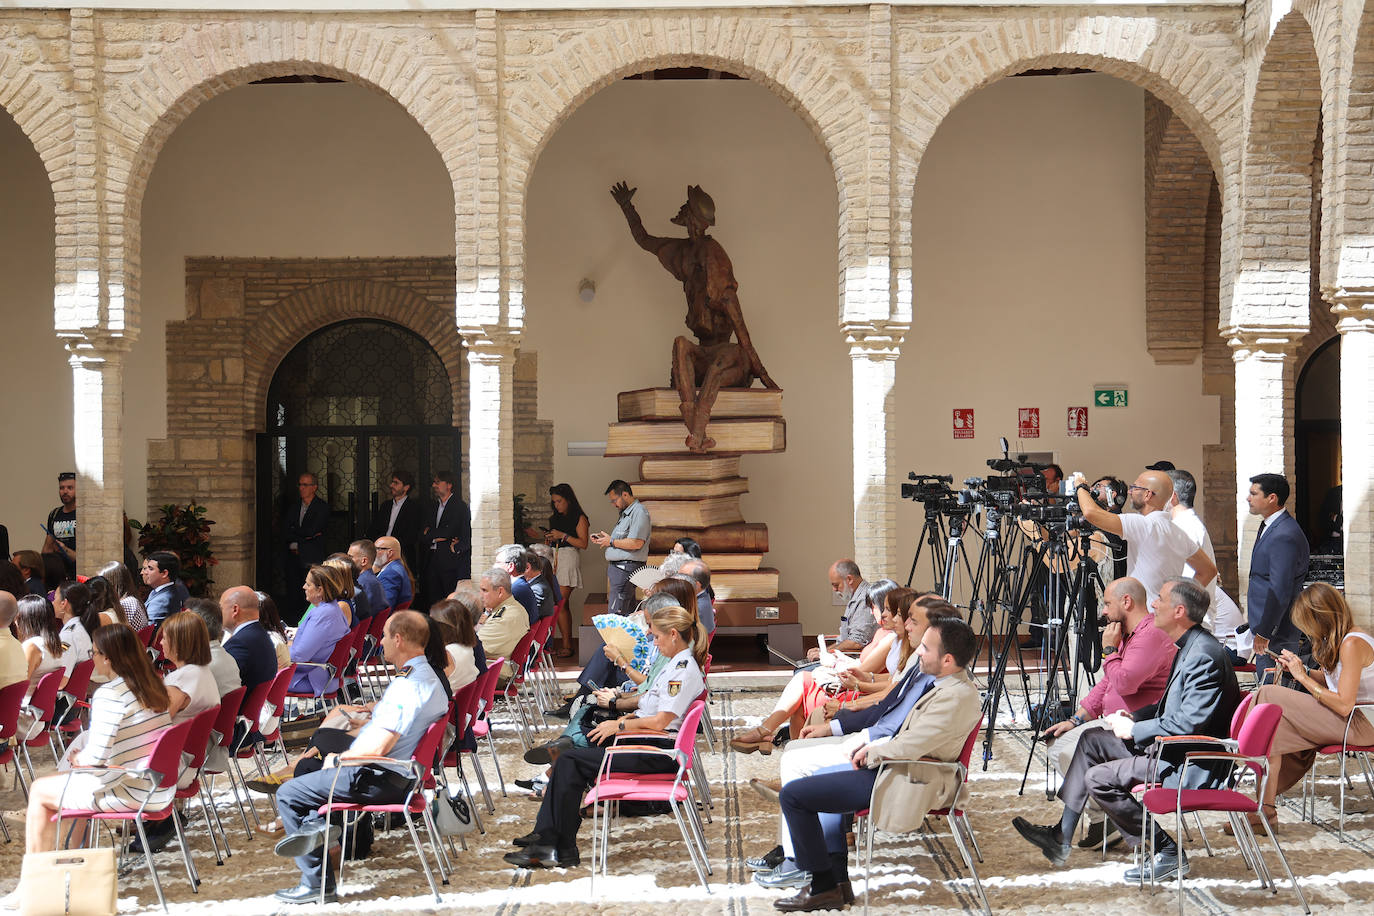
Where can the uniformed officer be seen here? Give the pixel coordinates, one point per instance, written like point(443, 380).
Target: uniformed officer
point(553, 844)
point(413, 701)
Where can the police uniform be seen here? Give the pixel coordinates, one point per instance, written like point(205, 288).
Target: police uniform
point(502, 631)
point(413, 701)
point(676, 688)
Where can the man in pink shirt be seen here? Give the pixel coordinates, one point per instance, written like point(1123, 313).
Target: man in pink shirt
point(1136, 659)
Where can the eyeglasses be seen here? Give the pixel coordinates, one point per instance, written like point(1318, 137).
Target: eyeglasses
point(1134, 487)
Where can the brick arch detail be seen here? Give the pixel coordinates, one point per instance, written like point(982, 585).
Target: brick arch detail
point(279, 330)
point(1353, 233)
point(1196, 77)
point(776, 53)
point(46, 122)
point(1273, 288)
point(200, 63)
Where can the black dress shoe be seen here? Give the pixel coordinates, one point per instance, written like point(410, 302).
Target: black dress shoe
point(535, 784)
point(847, 890)
point(1048, 837)
point(545, 754)
point(304, 893)
point(807, 902)
point(159, 833)
point(540, 856)
point(564, 711)
point(533, 838)
point(766, 862)
point(308, 840)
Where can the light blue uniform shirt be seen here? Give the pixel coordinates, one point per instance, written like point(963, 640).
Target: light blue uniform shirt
point(413, 701)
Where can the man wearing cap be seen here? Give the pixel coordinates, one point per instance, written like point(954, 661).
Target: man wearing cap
point(61, 526)
point(713, 311)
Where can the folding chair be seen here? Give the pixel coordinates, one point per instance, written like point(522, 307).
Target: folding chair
point(420, 765)
point(243, 746)
point(1251, 755)
point(958, 820)
point(164, 763)
point(229, 706)
point(464, 715)
point(198, 746)
point(514, 690)
point(481, 726)
point(40, 709)
point(338, 660)
point(674, 788)
point(77, 686)
point(276, 698)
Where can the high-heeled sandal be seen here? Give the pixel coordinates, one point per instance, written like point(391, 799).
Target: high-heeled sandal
point(757, 738)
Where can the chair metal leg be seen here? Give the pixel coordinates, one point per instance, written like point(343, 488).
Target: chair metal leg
point(481, 778)
point(148, 857)
point(496, 761)
point(968, 861)
point(1284, 861)
point(688, 842)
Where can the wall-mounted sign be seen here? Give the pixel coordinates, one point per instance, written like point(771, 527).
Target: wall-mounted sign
point(1028, 423)
point(1109, 396)
point(963, 422)
point(1078, 422)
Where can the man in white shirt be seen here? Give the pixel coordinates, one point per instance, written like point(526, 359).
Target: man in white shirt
point(1156, 548)
point(1224, 615)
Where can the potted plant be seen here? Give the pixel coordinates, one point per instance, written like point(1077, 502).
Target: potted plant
point(184, 531)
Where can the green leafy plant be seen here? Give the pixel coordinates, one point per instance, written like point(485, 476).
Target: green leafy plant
point(184, 531)
point(521, 520)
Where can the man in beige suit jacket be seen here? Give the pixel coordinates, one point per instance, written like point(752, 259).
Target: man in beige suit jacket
point(937, 728)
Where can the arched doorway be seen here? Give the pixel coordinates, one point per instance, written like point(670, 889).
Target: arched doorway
point(1317, 457)
point(351, 403)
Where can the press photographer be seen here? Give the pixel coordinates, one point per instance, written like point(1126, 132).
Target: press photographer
point(1156, 548)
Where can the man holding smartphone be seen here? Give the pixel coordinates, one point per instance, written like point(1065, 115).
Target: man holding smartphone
point(627, 547)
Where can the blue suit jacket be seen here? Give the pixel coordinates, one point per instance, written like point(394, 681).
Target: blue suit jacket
point(520, 590)
point(395, 584)
point(252, 648)
point(884, 718)
point(165, 603)
point(376, 595)
point(1278, 566)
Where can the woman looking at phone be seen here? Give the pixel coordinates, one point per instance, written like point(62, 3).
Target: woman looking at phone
point(1345, 679)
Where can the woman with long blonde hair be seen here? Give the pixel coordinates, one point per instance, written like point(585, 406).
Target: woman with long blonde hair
point(1343, 680)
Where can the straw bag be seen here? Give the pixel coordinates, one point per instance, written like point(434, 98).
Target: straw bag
point(68, 882)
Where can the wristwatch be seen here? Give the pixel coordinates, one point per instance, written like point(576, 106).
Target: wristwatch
point(620, 724)
point(1108, 650)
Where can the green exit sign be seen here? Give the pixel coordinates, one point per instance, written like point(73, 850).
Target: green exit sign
point(1110, 396)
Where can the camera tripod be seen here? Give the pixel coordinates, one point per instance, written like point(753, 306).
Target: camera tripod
point(946, 547)
point(1075, 645)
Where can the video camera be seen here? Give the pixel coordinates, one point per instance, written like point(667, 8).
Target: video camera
point(1059, 512)
point(927, 486)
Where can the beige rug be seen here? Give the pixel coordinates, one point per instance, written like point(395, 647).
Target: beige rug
point(649, 868)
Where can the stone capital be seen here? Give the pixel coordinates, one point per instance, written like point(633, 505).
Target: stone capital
point(91, 349)
point(881, 341)
point(486, 347)
point(1270, 342)
point(1353, 307)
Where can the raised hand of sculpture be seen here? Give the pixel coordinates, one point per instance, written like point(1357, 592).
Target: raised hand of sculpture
point(713, 361)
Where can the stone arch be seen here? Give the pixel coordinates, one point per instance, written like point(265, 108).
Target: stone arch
point(199, 64)
point(45, 121)
point(1274, 284)
point(1196, 79)
point(770, 52)
point(1353, 229)
point(279, 329)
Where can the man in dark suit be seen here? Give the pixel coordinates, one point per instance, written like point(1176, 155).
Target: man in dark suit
point(446, 540)
point(401, 516)
point(246, 639)
point(1199, 699)
point(1278, 566)
point(304, 526)
point(161, 573)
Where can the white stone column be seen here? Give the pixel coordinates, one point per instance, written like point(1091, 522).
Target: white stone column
point(491, 444)
point(98, 440)
point(1264, 420)
point(873, 353)
point(1355, 322)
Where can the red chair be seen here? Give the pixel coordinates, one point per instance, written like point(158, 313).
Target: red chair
point(164, 763)
point(1251, 754)
point(958, 820)
point(466, 703)
point(276, 698)
point(40, 709)
point(514, 691)
point(1345, 750)
point(229, 706)
point(243, 746)
point(404, 605)
point(338, 660)
point(350, 671)
point(421, 765)
point(672, 788)
point(198, 746)
point(145, 635)
point(78, 685)
point(481, 725)
point(11, 698)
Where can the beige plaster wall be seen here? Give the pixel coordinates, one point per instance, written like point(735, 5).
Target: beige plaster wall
point(1029, 279)
point(35, 383)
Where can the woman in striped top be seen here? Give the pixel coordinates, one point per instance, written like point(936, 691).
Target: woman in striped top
point(126, 715)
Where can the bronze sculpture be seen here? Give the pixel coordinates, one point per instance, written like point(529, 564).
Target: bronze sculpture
point(712, 361)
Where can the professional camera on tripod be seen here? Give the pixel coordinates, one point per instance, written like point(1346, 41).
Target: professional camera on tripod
point(1056, 513)
point(945, 520)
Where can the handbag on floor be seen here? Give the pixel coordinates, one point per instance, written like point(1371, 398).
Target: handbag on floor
point(452, 813)
point(68, 882)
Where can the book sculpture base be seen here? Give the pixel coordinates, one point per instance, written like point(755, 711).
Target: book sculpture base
point(698, 496)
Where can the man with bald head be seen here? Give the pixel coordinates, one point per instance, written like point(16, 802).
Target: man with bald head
point(14, 667)
point(245, 639)
point(857, 626)
point(391, 572)
point(1156, 548)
